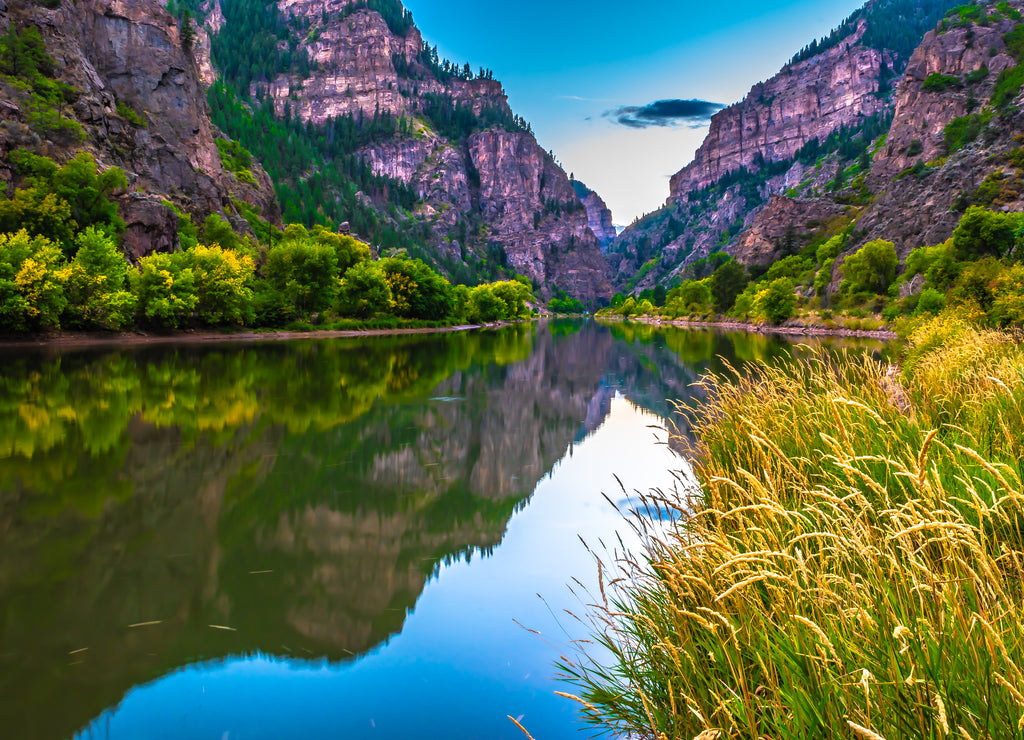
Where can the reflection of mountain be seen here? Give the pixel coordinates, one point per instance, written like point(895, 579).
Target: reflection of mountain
point(301, 494)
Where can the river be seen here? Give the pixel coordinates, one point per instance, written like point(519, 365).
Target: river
point(365, 538)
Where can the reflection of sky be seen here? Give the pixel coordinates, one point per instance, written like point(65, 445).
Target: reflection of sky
point(461, 663)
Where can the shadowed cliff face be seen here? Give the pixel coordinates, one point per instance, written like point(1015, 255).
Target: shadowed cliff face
point(497, 188)
point(129, 52)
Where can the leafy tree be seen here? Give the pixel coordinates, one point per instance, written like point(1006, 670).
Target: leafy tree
point(223, 285)
point(32, 278)
point(777, 302)
point(165, 290)
point(303, 276)
point(792, 267)
point(218, 231)
point(938, 265)
point(61, 201)
point(690, 297)
point(726, 284)
point(349, 251)
point(364, 291)
point(97, 287)
point(872, 268)
point(484, 305)
point(976, 284)
point(514, 296)
point(930, 301)
point(1008, 296)
point(417, 291)
point(828, 251)
point(984, 233)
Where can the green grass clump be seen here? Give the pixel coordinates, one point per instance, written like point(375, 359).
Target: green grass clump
point(938, 83)
point(964, 130)
point(130, 114)
point(852, 568)
point(237, 160)
point(1008, 85)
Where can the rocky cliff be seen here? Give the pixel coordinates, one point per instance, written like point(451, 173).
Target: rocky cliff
point(126, 55)
point(807, 100)
point(793, 137)
point(484, 188)
point(924, 174)
point(599, 216)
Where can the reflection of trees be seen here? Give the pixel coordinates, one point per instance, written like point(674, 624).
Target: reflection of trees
point(327, 464)
point(151, 485)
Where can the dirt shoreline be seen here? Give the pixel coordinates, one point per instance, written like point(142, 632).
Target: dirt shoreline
point(86, 340)
point(805, 331)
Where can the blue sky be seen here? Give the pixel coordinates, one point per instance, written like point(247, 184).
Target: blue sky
point(567, 63)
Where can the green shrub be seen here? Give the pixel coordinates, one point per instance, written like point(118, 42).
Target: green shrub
point(939, 83)
point(97, 287)
point(1007, 87)
point(930, 301)
point(982, 233)
point(871, 268)
point(1014, 41)
point(364, 291)
point(417, 292)
point(977, 75)
point(484, 305)
point(777, 302)
point(165, 291)
point(963, 131)
point(301, 279)
point(32, 278)
point(233, 156)
point(130, 114)
point(223, 285)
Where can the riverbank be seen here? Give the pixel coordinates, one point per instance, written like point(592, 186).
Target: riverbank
point(853, 567)
point(786, 330)
point(85, 340)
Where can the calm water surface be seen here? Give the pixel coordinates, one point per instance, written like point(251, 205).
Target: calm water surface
point(337, 539)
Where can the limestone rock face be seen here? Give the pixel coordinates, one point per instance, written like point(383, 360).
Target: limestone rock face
point(599, 216)
point(129, 52)
point(496, 188)
point(807, 100)
point(921, 115)
point(764, 242)
point(535, 214)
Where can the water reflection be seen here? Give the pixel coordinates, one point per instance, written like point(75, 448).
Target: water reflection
point(170, 508)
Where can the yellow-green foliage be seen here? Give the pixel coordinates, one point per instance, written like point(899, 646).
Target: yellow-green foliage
point(32, 277)
point(97, 286)
point(853, 566)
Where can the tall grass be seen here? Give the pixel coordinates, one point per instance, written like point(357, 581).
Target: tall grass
point(853, 569)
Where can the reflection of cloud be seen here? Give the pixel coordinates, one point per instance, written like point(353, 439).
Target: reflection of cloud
point(694, 113)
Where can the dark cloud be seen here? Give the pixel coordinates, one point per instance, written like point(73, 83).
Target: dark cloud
point(695, 113)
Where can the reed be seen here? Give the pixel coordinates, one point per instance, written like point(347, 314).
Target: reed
point(853, 568)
